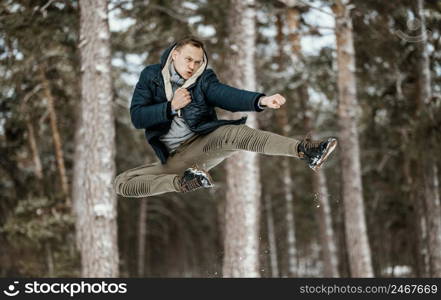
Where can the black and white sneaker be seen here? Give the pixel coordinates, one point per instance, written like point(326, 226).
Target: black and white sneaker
point(195, 178)
point(315, 153)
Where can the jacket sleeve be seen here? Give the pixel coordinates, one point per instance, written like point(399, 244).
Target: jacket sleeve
point(227, 97)
point(144, 112)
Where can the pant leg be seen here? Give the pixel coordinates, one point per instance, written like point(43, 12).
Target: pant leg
point(209, 150)
point(154, 179)
point(246, 138)
point(146, 180)
point(192, 154)
point(243, 137)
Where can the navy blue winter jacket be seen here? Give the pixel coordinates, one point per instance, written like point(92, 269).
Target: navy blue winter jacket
point(151, 111)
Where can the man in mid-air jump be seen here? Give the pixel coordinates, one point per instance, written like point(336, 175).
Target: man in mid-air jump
point(174, 102)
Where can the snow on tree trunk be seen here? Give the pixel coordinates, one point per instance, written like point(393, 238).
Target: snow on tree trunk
point(429, 164)
point(355, 224)
point(94, 170)
point(242, 211)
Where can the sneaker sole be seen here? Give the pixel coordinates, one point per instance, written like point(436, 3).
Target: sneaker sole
point(331, 147)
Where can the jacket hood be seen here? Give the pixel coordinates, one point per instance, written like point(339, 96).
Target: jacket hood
point(166, 60)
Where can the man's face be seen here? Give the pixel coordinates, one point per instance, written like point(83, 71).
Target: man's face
point(187, 60)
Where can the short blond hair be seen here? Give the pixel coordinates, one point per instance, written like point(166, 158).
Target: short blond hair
point(189, 40)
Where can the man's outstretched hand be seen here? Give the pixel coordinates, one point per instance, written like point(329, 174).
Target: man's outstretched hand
point(273, 101)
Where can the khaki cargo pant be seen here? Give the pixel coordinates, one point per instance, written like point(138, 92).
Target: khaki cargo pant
point(205, 151)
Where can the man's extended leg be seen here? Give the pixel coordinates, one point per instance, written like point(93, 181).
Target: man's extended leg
point(211, 149)
point(230, 138)
point(243, 137)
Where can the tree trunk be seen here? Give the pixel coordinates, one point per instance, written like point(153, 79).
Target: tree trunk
point(433, 218)
point(55, 135)
point(241, 256)
point(421, 265)
point(283, 124)
point(327, 238)
point(49, 259)
point(429, 163)
point(94, 170)
point(355, 224)
point(34, 150)
point(271, 237)
point(289, 219)
point(142, 236)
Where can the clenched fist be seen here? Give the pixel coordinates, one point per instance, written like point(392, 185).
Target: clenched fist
point(273, 101)
point(180, 99)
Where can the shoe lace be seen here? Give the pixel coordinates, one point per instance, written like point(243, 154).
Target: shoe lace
point(191, 185)
point(309, 143)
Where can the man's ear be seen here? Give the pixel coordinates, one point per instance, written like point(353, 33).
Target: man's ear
point(174, 54)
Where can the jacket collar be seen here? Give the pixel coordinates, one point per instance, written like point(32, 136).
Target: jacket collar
point(165, 54)
point(162, 62)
